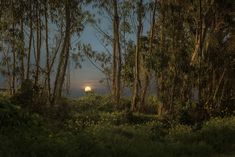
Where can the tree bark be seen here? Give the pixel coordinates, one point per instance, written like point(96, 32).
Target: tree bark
point(114, 66)
point(160, 74)
point(135, 96)
point(14, 64)
point(22, 71)
point(116, 55)
point(30, 41)
point(64, 55)
point(200, 56)
point(146, 69)
point(48, 71)
point(38, 49)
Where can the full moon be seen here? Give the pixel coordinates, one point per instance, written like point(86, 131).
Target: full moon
point(87, 89)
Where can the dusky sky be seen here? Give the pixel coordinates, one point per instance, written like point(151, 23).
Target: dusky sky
point(89, 75)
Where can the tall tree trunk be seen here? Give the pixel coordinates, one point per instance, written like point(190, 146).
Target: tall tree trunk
point(9, 75)
point(38, 49)
point(13, 79)
point(14, 64)
point(146, 72)
point(159, 76)
point(135, 95)
point(64, 55)
point(116, 55)
point(173, 64)
point(114, 66)
point(200, 55)
point(48, 71)
point(30, 40)
point(22, 71)
point(200, 106)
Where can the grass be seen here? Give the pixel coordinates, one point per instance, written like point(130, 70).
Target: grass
point(91, 127)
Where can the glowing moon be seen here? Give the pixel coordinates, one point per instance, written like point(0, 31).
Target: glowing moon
point(87, 89)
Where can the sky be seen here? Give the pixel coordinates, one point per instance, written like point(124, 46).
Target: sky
point(88, 74)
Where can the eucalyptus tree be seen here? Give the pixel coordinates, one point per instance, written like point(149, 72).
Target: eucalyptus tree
point(38, 25)
point(115, 13)
point(116, 78)
point(74, 20)
point(190, 35)
point(217, 26)
point(30, 23)
point(136, 86)
point(13, 39)
point(147, 54)
point(25, 27)
point(204, 23)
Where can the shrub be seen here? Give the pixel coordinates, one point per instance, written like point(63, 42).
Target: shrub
point(8, 112)
point(93, 102)
point(179, 133)
point(151, 105)
point(25, 95)
point(219, 133)
point(184, 117)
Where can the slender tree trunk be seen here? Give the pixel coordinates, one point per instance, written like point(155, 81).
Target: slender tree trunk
point(14, 64)
point(144, 91)
point(200, 55)
point(61, 70)
point(159, 76)
point(200, 106)
point(172, 94)
point(160, 93)
point(114, 66)
point(119, 67)
point(48, 71)
point(9, 76)
point(68, 78)
point(147, 73)
point(219, 85)
point(173, 64)
point(22, 50)
point(30, 41)
point(135, 96)
point(38, 49)
point(13, 73)
point(116, 55)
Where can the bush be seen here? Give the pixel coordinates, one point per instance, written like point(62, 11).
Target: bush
point(31, 97)
point(151, 105)
point(219, 133)
point(184, 117)
point(93, 102)
point(9, 112)
point(25, 95)
point(179, 133)
point(92, 127)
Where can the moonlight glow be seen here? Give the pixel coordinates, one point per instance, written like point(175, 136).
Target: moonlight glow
point(87, 89)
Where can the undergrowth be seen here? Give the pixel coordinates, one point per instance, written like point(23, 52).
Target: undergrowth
point(92, 127)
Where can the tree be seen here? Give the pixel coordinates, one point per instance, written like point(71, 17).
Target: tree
point(64, 55)
point(116, 55)
point(146, 57)
point(74, 21)
point(136, 86)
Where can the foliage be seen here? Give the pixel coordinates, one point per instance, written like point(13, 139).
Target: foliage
point(219, 133)
point(152, 105)
point(26, 93)
point(31, 97)
point(8, 112)
point(99, 131)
